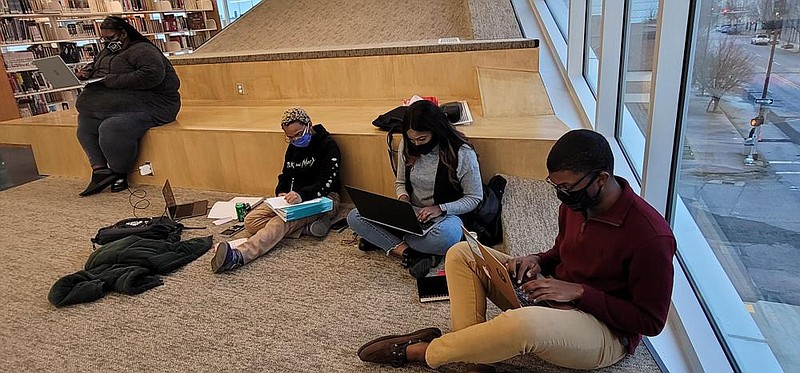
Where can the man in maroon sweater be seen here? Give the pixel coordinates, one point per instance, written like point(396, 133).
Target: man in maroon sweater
point(608, 275)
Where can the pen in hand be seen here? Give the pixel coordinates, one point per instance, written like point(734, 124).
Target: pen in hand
point(291, 185)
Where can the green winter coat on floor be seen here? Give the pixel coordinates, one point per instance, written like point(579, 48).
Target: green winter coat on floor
point(131, 266)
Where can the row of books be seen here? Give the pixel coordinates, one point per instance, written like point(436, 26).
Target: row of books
point(177, 43)
point(98, 6)
point(168, 23)
point(24, 30)
point(46, 103)
point(27, 82)
point(70, 53)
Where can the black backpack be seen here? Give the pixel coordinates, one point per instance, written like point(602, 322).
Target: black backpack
point(485, 220)
point(157, 228)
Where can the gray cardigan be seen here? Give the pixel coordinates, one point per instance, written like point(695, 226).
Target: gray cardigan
point(137, 79)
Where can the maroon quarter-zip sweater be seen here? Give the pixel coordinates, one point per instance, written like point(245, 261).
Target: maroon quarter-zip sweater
point(623, 260)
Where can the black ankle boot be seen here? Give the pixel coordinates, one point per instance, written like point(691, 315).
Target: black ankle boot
point(365, 245)
point(120, 184)
point(101, 178)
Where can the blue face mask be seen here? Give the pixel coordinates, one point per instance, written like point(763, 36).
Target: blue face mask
point(302, 141)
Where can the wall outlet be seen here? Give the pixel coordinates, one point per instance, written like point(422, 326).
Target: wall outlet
point(146, 169)
point(240, 88)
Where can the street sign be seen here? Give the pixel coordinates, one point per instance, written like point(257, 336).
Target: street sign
point(765, 101)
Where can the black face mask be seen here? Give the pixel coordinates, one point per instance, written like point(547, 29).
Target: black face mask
point(579, 200)
point(424, 148)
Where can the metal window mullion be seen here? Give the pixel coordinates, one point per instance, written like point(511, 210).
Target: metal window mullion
point(576, 39)
point(665, 104)
point(611, 48)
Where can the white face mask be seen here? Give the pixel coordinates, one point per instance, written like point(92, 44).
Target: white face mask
point(114, 46)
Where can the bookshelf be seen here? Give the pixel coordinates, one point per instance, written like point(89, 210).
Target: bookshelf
point(31, 29)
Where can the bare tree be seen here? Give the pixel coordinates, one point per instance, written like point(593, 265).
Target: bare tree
point(727, 66)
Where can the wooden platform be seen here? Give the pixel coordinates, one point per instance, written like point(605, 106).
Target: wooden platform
point(227, 141)
point(240, 149)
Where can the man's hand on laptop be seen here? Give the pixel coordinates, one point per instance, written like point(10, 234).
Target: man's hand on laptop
point(523, 268)
point(550, 289)
point(403, 197)
point(428, 213)
point(292, 198)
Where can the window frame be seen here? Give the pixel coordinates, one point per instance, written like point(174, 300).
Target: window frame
point(690, 341)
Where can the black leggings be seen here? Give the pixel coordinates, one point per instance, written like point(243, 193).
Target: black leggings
point(112, 139)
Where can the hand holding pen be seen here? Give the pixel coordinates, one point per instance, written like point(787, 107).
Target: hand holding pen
point(292, 197)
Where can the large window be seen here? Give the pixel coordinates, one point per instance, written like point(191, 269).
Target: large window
point(560, 11)
point(637, 77)
point(591, 54)
point(740, 184)
point(231, 10)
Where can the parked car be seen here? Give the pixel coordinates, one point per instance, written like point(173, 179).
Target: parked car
point(760, 39)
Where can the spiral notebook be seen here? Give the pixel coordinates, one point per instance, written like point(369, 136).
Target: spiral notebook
point(432, 289)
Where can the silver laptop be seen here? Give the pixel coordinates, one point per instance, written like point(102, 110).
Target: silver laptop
point(390, 212)
point(184, 210)
point(59, 74)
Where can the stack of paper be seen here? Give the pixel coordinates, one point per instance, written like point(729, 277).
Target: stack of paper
point(227, 210)
point(288, 212)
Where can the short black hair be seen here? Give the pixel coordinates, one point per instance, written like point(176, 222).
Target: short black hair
point(581, 151)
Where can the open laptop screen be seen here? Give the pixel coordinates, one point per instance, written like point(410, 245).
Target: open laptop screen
point(169, 197)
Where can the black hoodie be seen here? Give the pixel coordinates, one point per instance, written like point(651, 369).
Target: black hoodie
point(312, 171)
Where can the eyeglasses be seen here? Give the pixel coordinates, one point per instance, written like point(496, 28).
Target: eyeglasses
point(289, 140)
point(568, 190)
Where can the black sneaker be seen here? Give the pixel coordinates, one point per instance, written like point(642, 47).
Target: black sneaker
point(419, 264)
point(120, 184)
point(365, 245)
point(226, 258)
point(101, 179)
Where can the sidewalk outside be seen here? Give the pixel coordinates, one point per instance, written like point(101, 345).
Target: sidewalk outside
point(754, 227)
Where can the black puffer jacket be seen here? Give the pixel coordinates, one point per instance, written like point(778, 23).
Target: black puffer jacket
point(137, 79)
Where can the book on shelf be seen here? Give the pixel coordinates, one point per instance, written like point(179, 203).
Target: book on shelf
point(197, 21)
point(288, 212)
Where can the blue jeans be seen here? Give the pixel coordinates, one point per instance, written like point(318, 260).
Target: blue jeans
point(445, 233)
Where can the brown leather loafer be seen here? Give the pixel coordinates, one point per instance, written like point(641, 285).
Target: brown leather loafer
point(391, 349)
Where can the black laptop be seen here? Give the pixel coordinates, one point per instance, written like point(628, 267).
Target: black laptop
point(387, 211)
point(184, 210)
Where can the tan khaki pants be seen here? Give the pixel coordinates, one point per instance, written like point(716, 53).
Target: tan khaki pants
point(569, 338)
point(268, 229)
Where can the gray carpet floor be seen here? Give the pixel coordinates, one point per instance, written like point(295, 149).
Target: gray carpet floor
point(304, 307)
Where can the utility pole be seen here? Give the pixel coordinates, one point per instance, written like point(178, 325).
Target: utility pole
point(757, 122)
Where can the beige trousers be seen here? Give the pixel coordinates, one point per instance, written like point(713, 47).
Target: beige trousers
point(268, 229)
point(568, 338)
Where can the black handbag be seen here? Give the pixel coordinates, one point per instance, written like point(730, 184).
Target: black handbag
point(391, 119)
point(157, 228)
